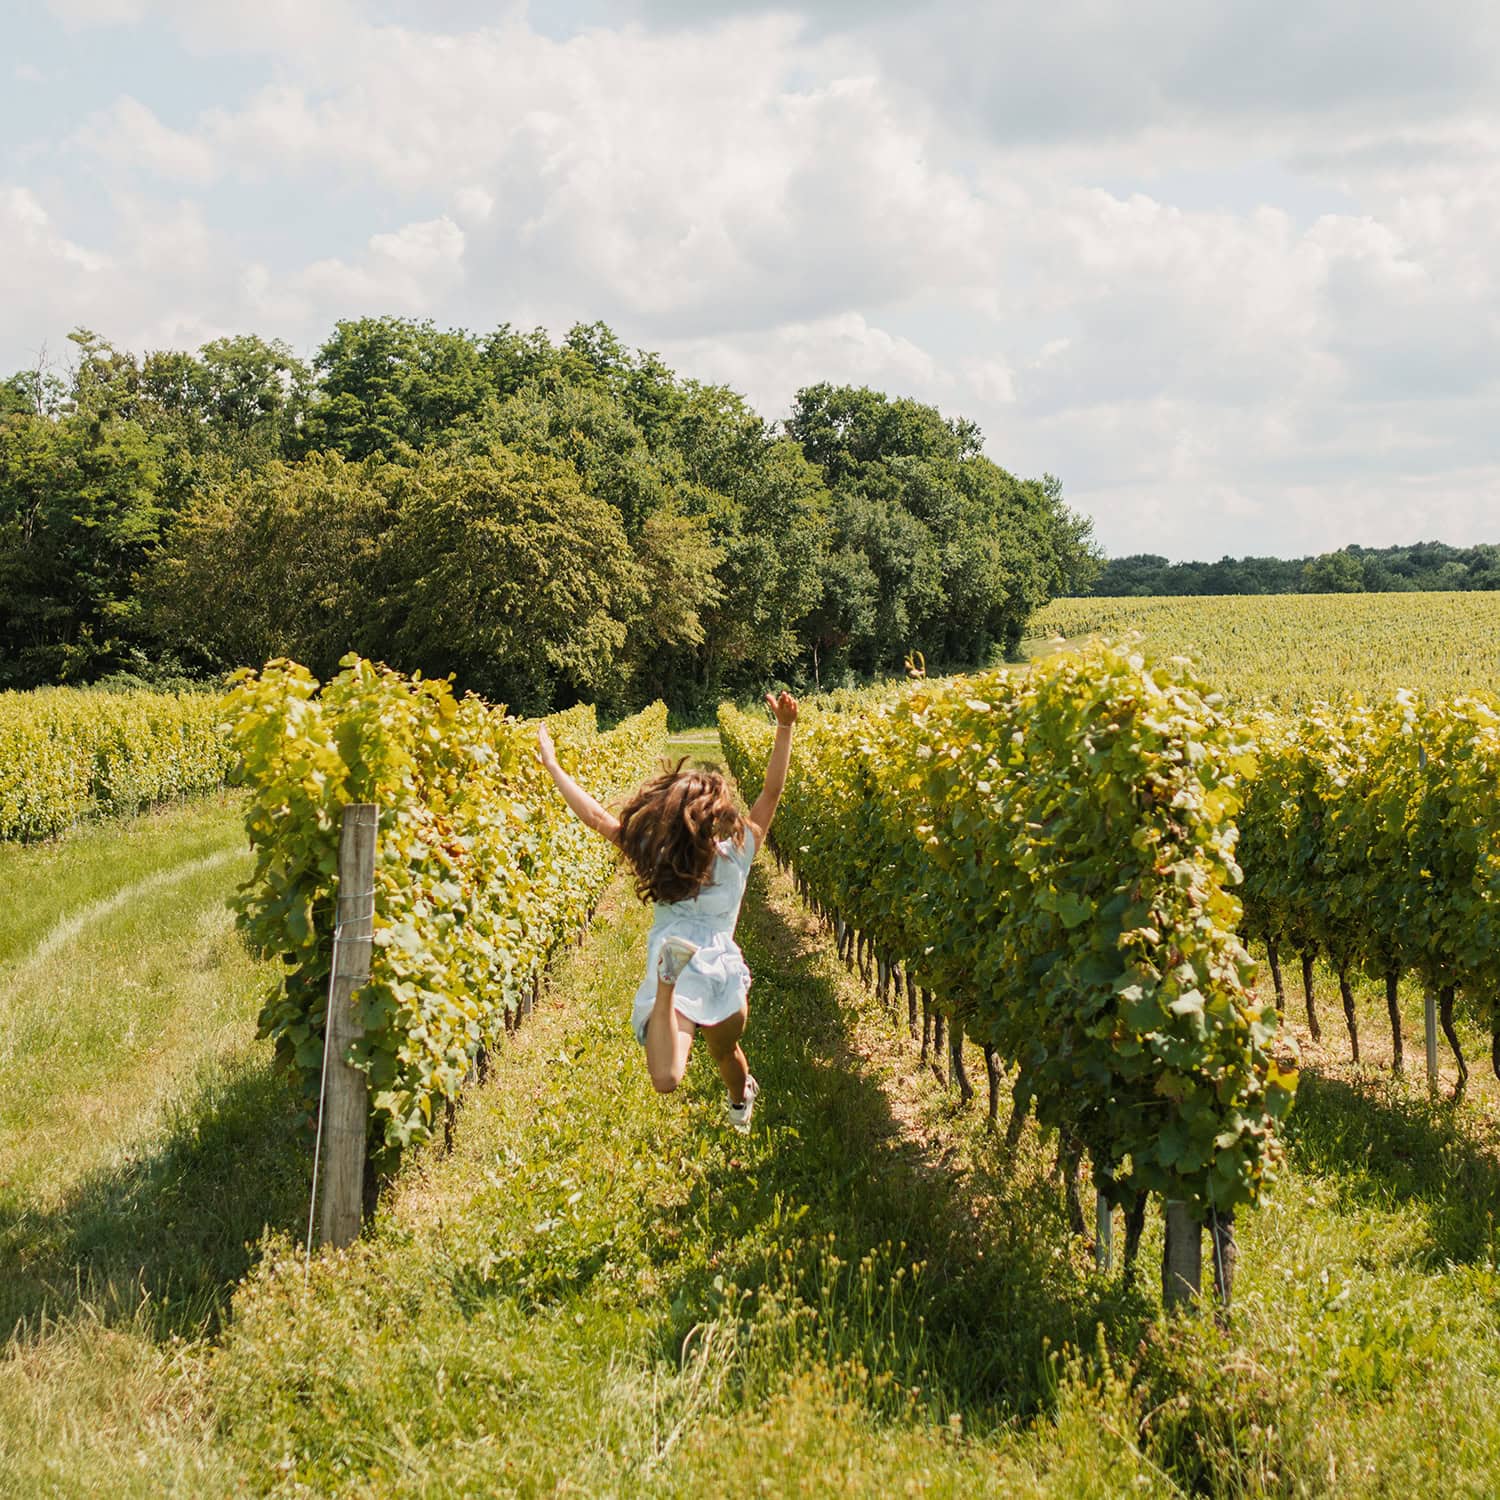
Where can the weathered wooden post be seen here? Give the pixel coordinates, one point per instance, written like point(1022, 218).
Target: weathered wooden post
point(1104, 1233)
point(1430, 1015)
point(1181, 1257)
point(346, 1099)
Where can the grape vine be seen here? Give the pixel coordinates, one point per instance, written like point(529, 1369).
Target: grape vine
point(481, 871)
point(69, 754)
point(1052, 853)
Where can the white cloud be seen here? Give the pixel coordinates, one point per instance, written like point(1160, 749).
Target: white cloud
point(690, 181)
point(770, 367)
point(33, 242)
point(57, 282)
point(128, 134)
point(1228, 271)
point(434, 244)
point(27, 72)
point(270, 26)
point(992, 380)
point(474, 204)
point(80, 13)
point(406, 271)
point(1094, 70)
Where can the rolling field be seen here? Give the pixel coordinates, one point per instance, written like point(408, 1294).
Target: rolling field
point(1286, 650)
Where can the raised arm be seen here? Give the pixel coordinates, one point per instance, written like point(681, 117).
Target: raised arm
point(785, 709)
point(589, 812)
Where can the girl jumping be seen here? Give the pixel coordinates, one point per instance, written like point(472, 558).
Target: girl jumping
point(690, 850)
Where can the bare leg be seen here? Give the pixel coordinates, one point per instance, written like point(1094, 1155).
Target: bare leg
point(669, 1038)
point(723, 1043)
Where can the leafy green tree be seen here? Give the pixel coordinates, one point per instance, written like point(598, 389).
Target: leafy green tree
point(79, 516)
point(242, 395)
point(766, 508)
point(106, 381)
point(680, 585)
point(1334, 573)
point(504, 571)
point(255, 505)
point(391, 383)
point(587, 426)
point(280, 561)
point(961, 552)
point(842, 428)
point(845, 612)
point(38, 392)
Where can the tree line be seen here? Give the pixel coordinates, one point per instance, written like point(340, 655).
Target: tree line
point(1423, 567)
point(548, 521)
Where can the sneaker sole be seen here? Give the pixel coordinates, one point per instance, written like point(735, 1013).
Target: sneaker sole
point(671, 949)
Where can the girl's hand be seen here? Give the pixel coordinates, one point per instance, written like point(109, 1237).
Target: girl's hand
point(783, 709)
point(544, 746)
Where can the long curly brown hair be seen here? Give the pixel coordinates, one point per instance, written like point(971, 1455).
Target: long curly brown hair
point(670, 831)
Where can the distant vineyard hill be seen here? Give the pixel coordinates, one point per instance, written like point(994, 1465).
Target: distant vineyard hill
point(1421, 568)
point(1288, 653)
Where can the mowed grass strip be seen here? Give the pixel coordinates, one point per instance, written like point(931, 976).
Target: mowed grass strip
point(144, 1138)
point(131, 969)
point(42, 885)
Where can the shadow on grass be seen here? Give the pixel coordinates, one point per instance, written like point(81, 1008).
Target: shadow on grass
point(963, 1289)
point(1387, 1144)
point(168, 1231)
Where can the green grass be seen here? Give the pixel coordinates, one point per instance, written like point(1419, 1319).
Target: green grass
point(1333, 1053)
point(128, 968)
point(602, 1292)
point(145, 1142)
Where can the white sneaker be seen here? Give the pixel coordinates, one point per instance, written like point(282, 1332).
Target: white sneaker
point(739, 1114)
point(673, 957)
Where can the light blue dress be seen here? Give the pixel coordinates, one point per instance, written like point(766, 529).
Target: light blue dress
point(713, 986)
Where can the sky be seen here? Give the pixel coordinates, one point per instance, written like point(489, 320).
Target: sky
point(1228, 270)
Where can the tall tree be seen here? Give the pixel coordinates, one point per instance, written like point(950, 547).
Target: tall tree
point(391, 383)
point(80, 513)
point(282, 560)
point(504, 571)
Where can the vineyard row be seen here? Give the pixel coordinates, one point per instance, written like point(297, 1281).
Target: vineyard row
point(1051, 856)
point(1371, 835)
point(481, 872)
point(68, 755)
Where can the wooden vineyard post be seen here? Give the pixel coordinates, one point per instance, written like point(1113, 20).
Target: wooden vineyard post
point(1104, 1233)
point(346, 1101)
point(1181, 1257)
point(1430, 1015)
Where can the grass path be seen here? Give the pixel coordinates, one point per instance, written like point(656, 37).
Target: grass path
point(135, 1158)
point(43, 885)
point(122, 972)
